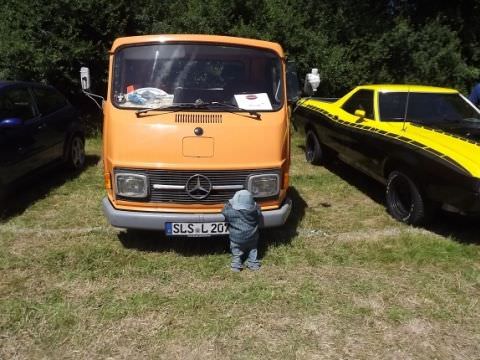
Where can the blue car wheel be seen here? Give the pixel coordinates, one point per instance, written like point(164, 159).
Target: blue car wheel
point(76, 153)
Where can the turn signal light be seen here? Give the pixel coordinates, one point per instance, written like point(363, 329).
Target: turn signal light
point(108, 181)
point(286, 179)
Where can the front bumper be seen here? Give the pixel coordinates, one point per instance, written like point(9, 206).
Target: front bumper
point(156, 221)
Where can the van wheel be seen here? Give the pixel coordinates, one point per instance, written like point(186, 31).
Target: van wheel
point(314, 151)
point(75, 153)
point(405, 201)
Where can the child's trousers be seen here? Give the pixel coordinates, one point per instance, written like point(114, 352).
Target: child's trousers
point(242, 251)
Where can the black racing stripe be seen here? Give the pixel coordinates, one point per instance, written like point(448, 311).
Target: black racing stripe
point(438, 153)
point(382, 133)
point(416, 143)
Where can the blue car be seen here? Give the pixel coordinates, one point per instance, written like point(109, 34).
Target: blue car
point(38, 126)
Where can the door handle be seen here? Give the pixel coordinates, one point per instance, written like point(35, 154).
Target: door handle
point(41, 126)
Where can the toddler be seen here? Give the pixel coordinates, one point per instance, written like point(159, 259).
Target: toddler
point(243, 216)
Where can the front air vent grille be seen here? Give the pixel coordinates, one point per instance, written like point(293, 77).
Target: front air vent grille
point(199, 118)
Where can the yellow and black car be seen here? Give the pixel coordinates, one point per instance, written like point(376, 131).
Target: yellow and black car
point(422, 142)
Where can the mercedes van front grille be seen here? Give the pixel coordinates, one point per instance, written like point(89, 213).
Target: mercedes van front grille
point(194, 186)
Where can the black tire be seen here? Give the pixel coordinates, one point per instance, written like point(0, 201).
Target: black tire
point(314, 152)
point(405, 201)
point(75, 153)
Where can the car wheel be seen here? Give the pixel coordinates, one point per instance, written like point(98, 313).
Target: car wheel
point(76, 153)
point(314, 152)
point(405, 201)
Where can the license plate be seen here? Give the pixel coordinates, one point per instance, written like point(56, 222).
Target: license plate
point(196, 229)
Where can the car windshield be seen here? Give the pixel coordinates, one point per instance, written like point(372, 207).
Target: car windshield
point(167, 75)
point(427, 108)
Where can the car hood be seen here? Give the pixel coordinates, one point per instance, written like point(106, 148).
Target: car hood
point(457, 143)
point(466, 131)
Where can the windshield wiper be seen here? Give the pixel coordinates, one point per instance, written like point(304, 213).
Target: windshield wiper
point(234, 108)
point(169, 108)
point(198, 104)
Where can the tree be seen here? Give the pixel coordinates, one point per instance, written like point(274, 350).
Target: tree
point(350, 42)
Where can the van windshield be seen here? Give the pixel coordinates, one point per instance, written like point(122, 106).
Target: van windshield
point(169, 75)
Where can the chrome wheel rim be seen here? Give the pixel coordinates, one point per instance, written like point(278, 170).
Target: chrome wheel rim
point(78, 152)
point(310, 149)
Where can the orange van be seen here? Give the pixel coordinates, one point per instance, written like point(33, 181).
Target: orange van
point(188, 121)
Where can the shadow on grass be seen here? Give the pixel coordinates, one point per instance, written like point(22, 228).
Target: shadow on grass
point(370, 187)
point(283, 235)
point(463, 229)
point(37, 185)
point(158, 242)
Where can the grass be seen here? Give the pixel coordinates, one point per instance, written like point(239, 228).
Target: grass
point(341, 280)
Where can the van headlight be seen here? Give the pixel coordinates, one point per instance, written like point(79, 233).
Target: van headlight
point(131, 185)
point(264, 185)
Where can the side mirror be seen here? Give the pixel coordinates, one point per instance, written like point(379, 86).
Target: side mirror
point(10, 123)
point(312, 82)
point(85, 78)
point(293, 86)
point(85, 81)
point(360, 113)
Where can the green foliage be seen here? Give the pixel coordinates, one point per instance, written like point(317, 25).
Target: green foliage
point(426, 54)
point(49, 41)
point(350, 42)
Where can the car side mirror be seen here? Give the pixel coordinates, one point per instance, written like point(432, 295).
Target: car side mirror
point(360, 113)
point(85, 78)
point(10, 123)
point(85, 82)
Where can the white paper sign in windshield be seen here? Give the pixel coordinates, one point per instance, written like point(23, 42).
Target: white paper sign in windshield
point(253, 101)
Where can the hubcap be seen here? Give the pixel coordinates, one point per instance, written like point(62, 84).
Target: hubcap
point(310, 149)
point(78, 152)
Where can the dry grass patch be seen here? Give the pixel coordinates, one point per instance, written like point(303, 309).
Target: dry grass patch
point(341, 280)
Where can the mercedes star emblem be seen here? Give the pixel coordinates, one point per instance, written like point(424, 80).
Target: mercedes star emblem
point(198, 187)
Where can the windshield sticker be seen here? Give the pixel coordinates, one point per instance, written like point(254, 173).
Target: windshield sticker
point(253, 101)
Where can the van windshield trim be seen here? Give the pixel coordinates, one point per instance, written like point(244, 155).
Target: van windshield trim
point(270, 88)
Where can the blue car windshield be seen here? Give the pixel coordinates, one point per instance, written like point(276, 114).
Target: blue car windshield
point(426, 108)
point(156, 75)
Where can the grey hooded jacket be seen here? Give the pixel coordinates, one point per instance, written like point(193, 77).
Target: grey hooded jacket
point(243, 224)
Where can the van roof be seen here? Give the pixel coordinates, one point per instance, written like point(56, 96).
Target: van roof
point(197, 38)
